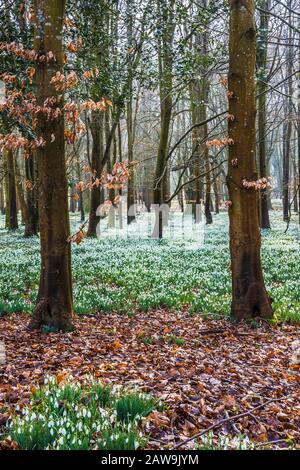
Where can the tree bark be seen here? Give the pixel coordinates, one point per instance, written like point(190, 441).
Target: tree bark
point(262, 55)
point(32, 217)
point(249, 296)
point(54, 302)
point(165, 58)
point(20, 192)
point(12, 193)
point(97, 128)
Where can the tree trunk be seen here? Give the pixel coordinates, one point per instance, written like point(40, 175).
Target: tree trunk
point(20, 192)
point(262, 55)
point(12, 193)
point(97, 127)
point(165, 58)
point(2, 204)
point(287, 133)
point(249, 296)
point(54, 302)
point(6, 189)
point(32, 217)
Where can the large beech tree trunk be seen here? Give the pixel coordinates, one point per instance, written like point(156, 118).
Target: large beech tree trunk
point(249, 296)
point(54, 302)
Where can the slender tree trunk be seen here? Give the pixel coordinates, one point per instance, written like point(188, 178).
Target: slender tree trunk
point(249, 296)
point(262, 55)
point(54, 302)
point(12, 193)
point(20, 193)
point(97, 129)
point(31, 222)
point(165, 58)
point(2, 203)
point(6, 189)
point(288, 126)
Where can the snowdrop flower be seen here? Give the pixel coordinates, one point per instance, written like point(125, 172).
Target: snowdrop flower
point(61, 440)
point(136, 444)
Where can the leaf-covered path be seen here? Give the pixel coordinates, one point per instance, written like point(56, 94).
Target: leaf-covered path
point(204, 371)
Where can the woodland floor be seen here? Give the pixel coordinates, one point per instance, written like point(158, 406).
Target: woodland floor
point(210, 375)
point(155, 315)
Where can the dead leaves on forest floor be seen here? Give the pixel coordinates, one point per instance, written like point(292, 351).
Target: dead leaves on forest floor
point(221, 370)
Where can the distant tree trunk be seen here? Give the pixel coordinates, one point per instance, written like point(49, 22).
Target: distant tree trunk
point(2, 203)
point(54, 302)
point(165, 57)
point(72, 197)
point(129, 116)
point(97, 129)
point(298, 124)
point(12, 193)
point(249, 296)
point(262, 86)
point(287, 132)
point(195, 98)
point(31, 222)
point(20, 193)
point(216, 193)
point(80, 195)
point(6, 189)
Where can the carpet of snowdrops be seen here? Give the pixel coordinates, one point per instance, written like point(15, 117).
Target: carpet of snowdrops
point(125, 270)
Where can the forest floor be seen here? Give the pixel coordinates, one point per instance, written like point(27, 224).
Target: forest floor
point(203, 371)
point(155, 315)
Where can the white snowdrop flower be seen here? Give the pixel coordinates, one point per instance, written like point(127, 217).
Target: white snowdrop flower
point(89, 414)
point(17, 407)
point(51, 424)
point(79, 442)
point(84, 412)
point(136, 444)
point(61, 440)
point(51, 431)
point(79, 426)
point(19, 430)
point(78, 414)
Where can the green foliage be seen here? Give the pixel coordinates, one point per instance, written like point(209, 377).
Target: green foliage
point(172, 339)
point(71, 415)
point(121, 275)
point(132, 407)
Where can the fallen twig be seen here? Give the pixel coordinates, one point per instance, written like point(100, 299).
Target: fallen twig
point(231, 418)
